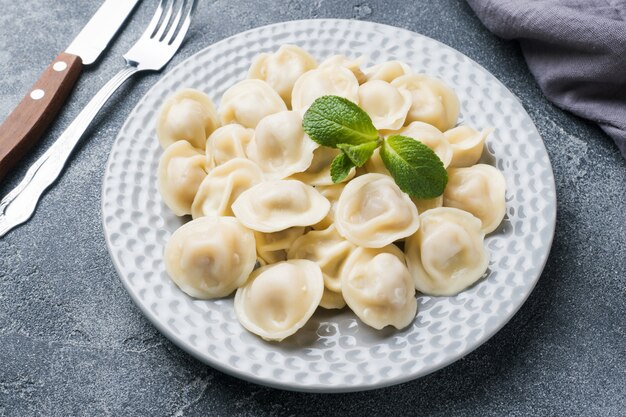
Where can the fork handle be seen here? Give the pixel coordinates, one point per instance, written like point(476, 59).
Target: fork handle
point(20, 203)
point(23, 128)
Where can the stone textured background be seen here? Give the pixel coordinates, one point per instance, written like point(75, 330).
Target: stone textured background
point(72, 343)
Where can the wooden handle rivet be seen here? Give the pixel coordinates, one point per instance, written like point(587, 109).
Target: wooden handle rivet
point(59, 66)
point(37, 94)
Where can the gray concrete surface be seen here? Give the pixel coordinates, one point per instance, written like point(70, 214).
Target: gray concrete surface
point(72, 343)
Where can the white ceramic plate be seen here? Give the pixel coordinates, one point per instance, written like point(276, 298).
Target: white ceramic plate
point(334, 352)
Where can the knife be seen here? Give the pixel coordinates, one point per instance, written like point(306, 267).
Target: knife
point(21, 130)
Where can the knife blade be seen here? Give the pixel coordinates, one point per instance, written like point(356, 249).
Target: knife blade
point(100, 29)
point(25, 125)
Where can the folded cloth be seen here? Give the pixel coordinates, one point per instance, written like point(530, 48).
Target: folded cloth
point(576, 49)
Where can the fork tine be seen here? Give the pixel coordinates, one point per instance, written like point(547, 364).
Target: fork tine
point(158, 44)
point(163, 24)
point(179, 35)
point(175, 23)
point(152, 26)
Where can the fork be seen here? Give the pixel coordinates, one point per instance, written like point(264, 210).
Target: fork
point(153, 50)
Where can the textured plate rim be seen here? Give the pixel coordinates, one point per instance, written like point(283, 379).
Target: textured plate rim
point(240, 374)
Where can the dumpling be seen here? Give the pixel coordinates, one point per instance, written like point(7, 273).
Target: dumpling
point(187, 115)
point(386, 105)
point(328, 249)
point(279, 299)
point(387, 71)
point(433, 101)
point(248, 101)
point(375, 164)
point(318, 173)
point(280, 147)
point(467, 145)
point(273, 247)
point(377, 286)
point(373, 212)
point(354, 65)
point(181, 171)
point(226, 143)
point(447, 254)
point(430, 136)
point(210, 257)
point(332, 300)
point(423, 205)
point(330, 80)
point(282, 68)
point(480, 190)
point(332, 193)
point(277, 205)
point(223, 185)
point(423, 132)
point(427, 204)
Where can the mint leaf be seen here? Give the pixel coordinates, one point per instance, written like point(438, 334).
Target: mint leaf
point(332, 120)
point(340, 168)
point(417, 170)
point(358, 154)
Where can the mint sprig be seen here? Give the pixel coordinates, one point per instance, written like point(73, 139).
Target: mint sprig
point(336, 122)
point(417, 170)
point(332, 120)
point(340, 168)
point(359, 154)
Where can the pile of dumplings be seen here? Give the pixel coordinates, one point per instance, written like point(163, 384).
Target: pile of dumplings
point(268, 222)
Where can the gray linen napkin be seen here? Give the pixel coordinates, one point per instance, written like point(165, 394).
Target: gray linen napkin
point(576, 49)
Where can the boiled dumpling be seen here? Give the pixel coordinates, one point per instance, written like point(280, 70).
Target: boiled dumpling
point(430, 136)
point(280, 147)
point(433, 101)
point(332, 193)
point(447, 254)
point(318, 173)
point(181, 171)
point(187, 115)
point(210, 257)
point(282, 68)
point(375, 164)
point(479, 190)
point(328, 249)
point(276, 205)
point(387, 71)
point(273, 247)
point(427, 203)
point(386, 105)
point(249, 101)
point(377, 286)
point(330, 80)
point(354, 65)
point(467, 145)
point(423, 205)
point(279, 299)
point(223, 185)
point(226, 143)
point(373, 212)
point(332, 300)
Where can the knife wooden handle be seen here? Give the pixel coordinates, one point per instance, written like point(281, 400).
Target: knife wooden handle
point(23, 128)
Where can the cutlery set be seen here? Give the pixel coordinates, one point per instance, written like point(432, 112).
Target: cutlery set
point(26, 124)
